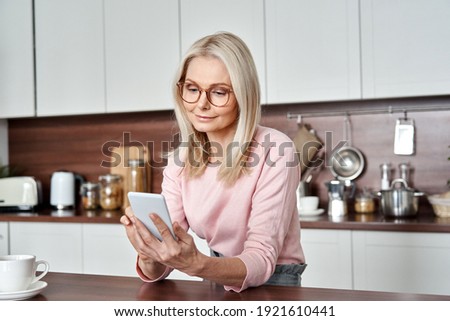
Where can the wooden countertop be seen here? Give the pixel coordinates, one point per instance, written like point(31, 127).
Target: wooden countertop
point(63, 216)
point(83, 287)
point(425, 221)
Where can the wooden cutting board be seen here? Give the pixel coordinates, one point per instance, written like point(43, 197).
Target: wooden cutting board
point(126, 153)
point(307, 145)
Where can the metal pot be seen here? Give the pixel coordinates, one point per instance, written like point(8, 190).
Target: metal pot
point(399, 201)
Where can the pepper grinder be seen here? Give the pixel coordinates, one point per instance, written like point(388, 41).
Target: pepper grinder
point(385, 176)
point(405, 169)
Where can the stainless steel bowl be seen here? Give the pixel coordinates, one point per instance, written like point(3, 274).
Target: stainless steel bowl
point(347, 163)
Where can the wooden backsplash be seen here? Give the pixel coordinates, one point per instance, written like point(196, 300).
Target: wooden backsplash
point(79, 143)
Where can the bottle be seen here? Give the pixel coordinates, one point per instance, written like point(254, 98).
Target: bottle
point(90, 195)
point(385, 176)
point(137, 178)
point(404, 172)
point(110, 191)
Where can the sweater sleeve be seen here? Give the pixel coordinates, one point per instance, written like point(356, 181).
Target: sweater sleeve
point(273, 205)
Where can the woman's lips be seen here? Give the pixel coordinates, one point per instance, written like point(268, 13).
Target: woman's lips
point(204, 118)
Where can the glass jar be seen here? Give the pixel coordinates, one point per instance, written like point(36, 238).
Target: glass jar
point(137, 178)
point(110, 191)
point(364, 203)
point(90, 195)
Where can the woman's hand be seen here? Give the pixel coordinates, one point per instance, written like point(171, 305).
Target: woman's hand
point(180, 253)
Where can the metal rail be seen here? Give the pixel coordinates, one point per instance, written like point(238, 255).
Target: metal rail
point(369, 111)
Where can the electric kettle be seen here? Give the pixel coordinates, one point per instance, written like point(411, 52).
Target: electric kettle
point(63, 189)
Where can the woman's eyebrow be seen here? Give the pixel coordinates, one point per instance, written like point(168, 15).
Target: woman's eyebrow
point(211, 85)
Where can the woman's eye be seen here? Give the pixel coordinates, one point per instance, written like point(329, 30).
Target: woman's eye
point(192, 89)
point(219, 91)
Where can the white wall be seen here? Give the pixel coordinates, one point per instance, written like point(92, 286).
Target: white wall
point(3, 142)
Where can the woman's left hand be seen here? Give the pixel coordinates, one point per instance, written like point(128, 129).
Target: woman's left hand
point(180, 253)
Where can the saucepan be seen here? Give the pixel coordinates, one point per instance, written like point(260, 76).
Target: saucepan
point(399, 200)
point(347, 163)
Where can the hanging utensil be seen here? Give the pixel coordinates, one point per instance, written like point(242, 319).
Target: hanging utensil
point(404, 136)
point(347, 163)
point(307, 144)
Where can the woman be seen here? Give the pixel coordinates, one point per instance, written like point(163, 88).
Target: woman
point(231, 181)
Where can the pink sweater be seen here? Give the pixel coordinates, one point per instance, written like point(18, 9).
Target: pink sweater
point(256, 220)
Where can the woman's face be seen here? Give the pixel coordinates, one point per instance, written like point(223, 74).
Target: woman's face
point(219, 123)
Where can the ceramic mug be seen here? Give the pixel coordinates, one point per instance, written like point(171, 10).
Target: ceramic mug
point(18, 272)
point(309, 203)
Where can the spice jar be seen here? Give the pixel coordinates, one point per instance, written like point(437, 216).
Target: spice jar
point(110, 191)
point(364, 203)
point(90, 195)
point(137, 178)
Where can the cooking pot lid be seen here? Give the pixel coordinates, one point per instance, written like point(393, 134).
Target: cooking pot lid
point(347, 163)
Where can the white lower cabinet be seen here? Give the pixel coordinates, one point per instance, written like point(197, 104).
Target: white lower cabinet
point(107, 250)
point(402, 262)
point(90, 248)
point(406, 262)
point(58, 243)
point(4, 238)
point(329, 257)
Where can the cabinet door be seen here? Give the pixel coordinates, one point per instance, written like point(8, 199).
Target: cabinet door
point(16, 59)
point(107, 250)
point(312, 50)
point(405, 48)
point(329, 258)
point(58, 243)
point(70, 64)
point(142, 54)
point(4, 238)
point(243, 18)
point(402, 262)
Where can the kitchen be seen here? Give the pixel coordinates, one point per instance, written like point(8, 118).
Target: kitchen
point(372, 62)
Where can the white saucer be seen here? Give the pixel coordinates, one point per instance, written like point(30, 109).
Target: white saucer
point(33, 290)
point(311, 213)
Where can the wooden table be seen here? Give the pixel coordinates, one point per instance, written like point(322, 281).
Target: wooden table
point(83, 287)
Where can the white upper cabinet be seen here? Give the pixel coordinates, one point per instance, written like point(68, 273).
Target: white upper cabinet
point(70, 64)
point(312, 50)
point(405, 47)
point(243, 18)
point(142, 53)
point(16, 59)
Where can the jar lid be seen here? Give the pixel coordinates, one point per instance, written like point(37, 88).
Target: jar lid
point(110, 177)
point(136, 162)
point(90, 185)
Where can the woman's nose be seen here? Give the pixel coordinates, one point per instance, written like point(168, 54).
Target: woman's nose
point(203, 102)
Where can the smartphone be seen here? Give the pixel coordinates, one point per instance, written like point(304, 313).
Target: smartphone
point(143, 204)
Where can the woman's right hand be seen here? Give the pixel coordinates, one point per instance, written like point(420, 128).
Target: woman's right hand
point(152, 268)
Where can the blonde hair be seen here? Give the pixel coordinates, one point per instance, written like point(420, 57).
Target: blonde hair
point(236, 57)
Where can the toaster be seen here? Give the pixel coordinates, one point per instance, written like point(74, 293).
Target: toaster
point(20, 193)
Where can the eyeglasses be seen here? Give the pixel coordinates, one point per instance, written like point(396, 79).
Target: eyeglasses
point(218, 95)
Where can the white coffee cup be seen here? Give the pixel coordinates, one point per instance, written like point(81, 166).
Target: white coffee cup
point(18, 272)
point(308, 203)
